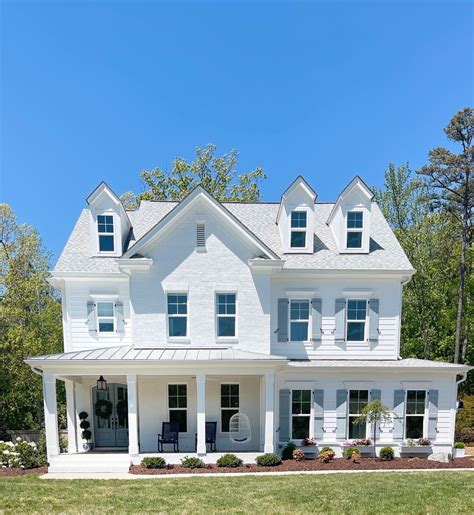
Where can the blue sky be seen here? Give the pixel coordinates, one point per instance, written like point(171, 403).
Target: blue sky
point(101, 90)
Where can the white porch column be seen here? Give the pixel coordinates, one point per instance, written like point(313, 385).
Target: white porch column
point(50, 414)
point(71, 417)
point(132, 393)
point(201, 414)
point(269, 411)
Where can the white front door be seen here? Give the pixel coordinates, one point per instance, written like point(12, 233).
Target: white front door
point(111, 428)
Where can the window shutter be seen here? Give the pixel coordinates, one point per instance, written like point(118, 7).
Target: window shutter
point(316, 314)
point(341, 414)
point(282, 320)
point(374, 320)
point(91, 317)
point(433, 414)
point(376, 395)
point(398, 414)
point(318, 406)
point(120, 317)
point(340, 320)
point(284, 430)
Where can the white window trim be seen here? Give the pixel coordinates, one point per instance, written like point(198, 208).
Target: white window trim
point(228, 339)
point(425, 413)
point(113, 234)
point(308, 336)
point(349, 415)
point(299, 229)
point(181, 339)
point(366, 321)
point(168, 409)
point(106, 300)
point(298, 441)
point(350, 229)
point(221, 409)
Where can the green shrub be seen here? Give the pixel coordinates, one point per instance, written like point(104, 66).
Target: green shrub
point(325, 449)
point(86, 435)
point(83, 415)
point(387, 453)
point(191, 462)
point(84, 424)
point(229, 460)
point(459, 445)
point(326, 456)
point(20, 454)
point(465, 435)
point(347, 453)
point(268, 460)
point(153, 463)
point(287, 453)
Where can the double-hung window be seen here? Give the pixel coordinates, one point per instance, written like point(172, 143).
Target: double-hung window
point(299, 224)
point(226, 314)
point(415, 413)
point(105, 229)
point(177, 315)
point(358, 399)
point(178, 405)
point(105, 317)
point(300, 413)
point(356, 320)
point(230, 404)
point(299, 320)
point(354, 229)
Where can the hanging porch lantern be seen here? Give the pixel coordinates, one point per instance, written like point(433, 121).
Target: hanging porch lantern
point(101, 383)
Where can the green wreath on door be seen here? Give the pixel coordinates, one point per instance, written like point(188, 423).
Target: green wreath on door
point(103, 408)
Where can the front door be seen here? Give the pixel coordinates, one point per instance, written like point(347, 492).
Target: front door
point(111, 426)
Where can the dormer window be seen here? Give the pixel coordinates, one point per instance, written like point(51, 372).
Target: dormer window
point(354, 229)
point(105, 228)
point(299, 224)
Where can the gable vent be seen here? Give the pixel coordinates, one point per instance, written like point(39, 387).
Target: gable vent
point(200, 235)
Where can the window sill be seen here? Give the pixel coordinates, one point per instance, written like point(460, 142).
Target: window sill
point(230, 339)
point(178, 339)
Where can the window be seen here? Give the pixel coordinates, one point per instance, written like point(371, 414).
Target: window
point(415, 413)
point(226, 314)
point(230, 402)
point(356, 319)
point(105, 317)
point(357, 401)
point(105, 228)
point(298, 229)
point(299, 320)
point(300, 413)
point(177, 315)
point(354, 229)
point(178, 405)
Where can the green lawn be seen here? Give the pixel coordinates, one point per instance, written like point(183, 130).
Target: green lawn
point(440, 492)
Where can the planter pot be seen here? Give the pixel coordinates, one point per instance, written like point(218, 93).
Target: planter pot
point(88, 446)
point(310, 451)
point(366, 450)
point(459, 453)
point(416, 450)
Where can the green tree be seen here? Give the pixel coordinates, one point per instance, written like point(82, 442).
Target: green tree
point(216, 174)
point(30, 321)
point(374, 413)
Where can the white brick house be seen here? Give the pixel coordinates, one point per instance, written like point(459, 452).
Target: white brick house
point(287, 313)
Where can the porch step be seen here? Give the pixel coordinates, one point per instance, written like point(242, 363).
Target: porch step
point(89, 462)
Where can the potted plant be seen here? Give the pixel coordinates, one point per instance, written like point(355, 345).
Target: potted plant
point(361, 444)
point(374, 412)
point(308, 447)
point(416, 447)
point(459, 450)
point(86, 433)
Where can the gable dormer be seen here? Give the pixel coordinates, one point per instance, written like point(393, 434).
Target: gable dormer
point(109, 222)
point(350, 218)
point(295, 218)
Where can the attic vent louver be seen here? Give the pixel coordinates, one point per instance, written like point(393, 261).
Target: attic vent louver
point(200, 235)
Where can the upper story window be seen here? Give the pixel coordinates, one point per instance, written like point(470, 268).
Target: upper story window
point(356, 320)
point(299, 224)
point(105, 228)
point(105, 317)
point(177, 315)
point(415, 413)
point(358, 399)
point(354, 229)
point(226, 315)
point(299, 320)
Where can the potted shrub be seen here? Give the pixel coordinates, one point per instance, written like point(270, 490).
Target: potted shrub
point(459, 450)
point(86, 433)
point(308, 447)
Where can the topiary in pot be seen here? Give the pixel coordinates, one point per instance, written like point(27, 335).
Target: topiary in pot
point(268, 460)
point(84, 424)
point(83, 415)
point(386, 453)
point(229, 460)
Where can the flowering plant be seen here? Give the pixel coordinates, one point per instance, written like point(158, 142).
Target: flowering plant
point(306, 442)
point(423, 441)
point(357, 441)
point(298, 455)
point(19, 454)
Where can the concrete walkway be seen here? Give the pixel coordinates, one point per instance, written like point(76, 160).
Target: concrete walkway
point(127, 476)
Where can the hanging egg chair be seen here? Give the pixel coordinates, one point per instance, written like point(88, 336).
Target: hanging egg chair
point(240, 431)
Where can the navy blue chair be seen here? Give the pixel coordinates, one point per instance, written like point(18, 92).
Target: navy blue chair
point(211, 432)
point(169, 435)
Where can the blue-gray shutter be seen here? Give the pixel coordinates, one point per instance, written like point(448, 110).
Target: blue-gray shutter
point(398, 414)
point(376, 395)
point(341, 414)
point(340, 320)
point(120, 317)
point(374, 320)
point(283, 320)
point(284, 410)
point(91, 316)
point(433, 414)
point(316, 314)
point(318, 406)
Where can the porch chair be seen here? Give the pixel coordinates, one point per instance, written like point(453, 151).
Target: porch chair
point(211, 431)
point(169, 434)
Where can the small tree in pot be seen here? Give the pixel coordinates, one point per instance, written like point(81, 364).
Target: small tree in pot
point(374, 412)
point(86, 433)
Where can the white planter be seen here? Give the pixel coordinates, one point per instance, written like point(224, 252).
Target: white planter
point(310, 451)
point(459, 453)
point(416, 450)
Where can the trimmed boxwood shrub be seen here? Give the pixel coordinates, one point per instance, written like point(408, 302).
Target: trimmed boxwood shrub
point(387, 453)
point(84, 424)
point(325, 449)
point(190, 462)
point(154, 463)
point(326, 456)
point(459, 445)
point(229, 460)
point(287, 453)
point(347, 453)
point(268, 460)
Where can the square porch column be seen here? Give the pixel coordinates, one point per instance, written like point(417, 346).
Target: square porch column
point(269, 445)
point(133, 448)
point(71, 416)
point(201, 414)
point(50, 414)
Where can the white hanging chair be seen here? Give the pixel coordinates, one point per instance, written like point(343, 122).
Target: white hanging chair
point(240, 431)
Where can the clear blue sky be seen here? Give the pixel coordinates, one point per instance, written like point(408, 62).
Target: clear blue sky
point(102, 90)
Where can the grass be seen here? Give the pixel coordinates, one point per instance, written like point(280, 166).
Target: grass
point(413, 492)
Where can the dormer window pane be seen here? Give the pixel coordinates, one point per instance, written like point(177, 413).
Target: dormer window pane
point(354, 220)
point(298, 219)
point(354, 240)
point(298, 239)
point(105, 228)
point(354, 229)
point(298, 229)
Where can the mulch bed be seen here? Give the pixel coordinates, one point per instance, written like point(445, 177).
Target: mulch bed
point(20, 472)
point(336, 464)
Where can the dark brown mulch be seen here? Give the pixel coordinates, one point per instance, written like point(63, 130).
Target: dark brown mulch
point(21, 472)
point(337, 464)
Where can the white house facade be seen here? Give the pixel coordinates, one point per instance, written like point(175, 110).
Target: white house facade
point(285, 314)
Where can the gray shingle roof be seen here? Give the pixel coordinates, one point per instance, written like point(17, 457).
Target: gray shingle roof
point(354, 363)
point(386, 253)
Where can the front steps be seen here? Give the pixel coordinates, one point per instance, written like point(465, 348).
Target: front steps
point(89, 462)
